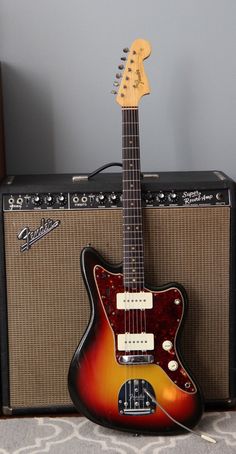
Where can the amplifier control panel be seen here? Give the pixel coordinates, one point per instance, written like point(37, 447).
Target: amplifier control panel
point(80, 200)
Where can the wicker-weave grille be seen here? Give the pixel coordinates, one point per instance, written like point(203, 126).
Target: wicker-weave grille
point(47, 303)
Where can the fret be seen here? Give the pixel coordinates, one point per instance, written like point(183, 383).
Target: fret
point(130, 135)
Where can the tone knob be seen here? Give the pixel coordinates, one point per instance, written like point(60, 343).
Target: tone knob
point(148, 197)
point(167, 345)
point(37, 200)
point(113, 197)
point(49, 200)
point(62, 199)
point(173, 365)
point(161, 196)
point(101, 198)
point(173, 197)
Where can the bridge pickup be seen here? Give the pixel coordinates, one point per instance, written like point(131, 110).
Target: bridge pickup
point(136, 359)
point(133, 342)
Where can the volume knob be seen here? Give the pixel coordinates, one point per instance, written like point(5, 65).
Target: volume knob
point(113, 197)
point(37, 200)
point(49, 200)
point(62, 199)
point(101, 198)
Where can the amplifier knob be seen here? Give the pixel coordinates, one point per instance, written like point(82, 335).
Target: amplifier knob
point(37, 200)
point(173, 197)
point(101, 198)
point(113, 197)
point(148, 197)
point(62, 199)
point(49, 200)
point(161, 196)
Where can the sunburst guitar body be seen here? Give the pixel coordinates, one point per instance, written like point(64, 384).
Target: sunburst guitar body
point(127, 372)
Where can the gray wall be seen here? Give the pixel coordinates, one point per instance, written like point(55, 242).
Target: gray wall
point(60, 58)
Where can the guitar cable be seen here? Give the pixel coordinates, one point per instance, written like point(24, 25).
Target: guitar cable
point(205, 437)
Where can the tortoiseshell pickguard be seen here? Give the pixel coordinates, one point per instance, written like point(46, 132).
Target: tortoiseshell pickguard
point(163, 320)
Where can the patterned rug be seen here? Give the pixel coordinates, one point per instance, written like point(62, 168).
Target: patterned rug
point(72, 435)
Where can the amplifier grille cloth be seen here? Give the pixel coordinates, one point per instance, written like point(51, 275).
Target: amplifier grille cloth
point(47, 303)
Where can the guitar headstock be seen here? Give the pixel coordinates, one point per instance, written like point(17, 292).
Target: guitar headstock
point(133, 82)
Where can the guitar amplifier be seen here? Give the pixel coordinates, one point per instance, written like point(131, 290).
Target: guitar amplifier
point(189, 237)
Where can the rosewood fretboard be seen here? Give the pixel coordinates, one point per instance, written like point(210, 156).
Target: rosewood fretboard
point(132, 210)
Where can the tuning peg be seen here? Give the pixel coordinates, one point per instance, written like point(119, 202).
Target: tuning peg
point(113, 92)
point(123, 58)
point(118, 75)
point(121, 67)
point(125, 50)
point(116, 84)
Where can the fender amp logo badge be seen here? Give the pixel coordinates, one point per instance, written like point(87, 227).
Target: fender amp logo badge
point(31, 236)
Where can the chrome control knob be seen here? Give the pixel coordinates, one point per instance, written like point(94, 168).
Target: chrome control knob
point(101, 198)
point(113, 198)
point(49, 200)
point(62, 199)
point(37, 200)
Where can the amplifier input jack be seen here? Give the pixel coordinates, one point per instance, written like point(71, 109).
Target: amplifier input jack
point(11, 200)
point(75, 199)
point(19, 201)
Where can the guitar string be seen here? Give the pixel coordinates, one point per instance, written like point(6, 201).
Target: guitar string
point(140, 236)
point(124, 247)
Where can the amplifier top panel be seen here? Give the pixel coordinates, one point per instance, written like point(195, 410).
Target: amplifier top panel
point(165, 189)
point(113, 181)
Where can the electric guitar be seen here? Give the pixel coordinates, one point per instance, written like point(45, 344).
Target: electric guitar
point(127, 372)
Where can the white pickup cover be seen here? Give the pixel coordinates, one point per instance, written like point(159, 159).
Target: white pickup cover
point(135, 300)
point(134, 342)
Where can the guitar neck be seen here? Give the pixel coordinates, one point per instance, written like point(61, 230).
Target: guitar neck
point(133, 266)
